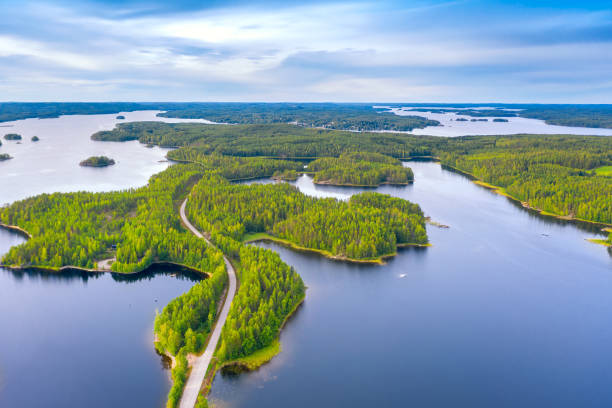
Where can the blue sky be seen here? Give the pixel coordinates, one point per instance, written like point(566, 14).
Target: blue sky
point(362, 51)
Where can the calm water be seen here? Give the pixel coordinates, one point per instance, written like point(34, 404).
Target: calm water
point(52, 164)
point(79, 340)
point(506, 309)
point(450, 126)
point(82, 340)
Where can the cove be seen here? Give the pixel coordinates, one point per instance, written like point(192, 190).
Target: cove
point(506, 309)
point(82, 339)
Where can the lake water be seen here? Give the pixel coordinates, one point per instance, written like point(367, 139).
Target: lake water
point(52, 164)
point(82, 340)
point(79, 340)
point(515, 125)
point(506, 309)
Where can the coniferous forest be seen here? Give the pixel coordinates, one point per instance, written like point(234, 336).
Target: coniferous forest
point(561, 175)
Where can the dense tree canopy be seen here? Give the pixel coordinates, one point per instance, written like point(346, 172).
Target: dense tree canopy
point(360, 168)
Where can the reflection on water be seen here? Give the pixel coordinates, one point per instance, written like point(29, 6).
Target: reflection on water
point(84, 339)
point(505, 309)
point(52, 164)
point(452, 127)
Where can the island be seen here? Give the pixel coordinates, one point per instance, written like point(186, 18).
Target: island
point(120, 117)
point(500, 120)
point(5, 156)
point(97, 161)
point(360, 169)
point(461, 120)
point(35, 138)
point(288, 175)
point(12, 136)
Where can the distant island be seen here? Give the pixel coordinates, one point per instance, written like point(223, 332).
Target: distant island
point(35, 138)
point(500, 120)
point(461, 120)
point(4, 156)
point(120, 117)
point(12, 136)
point(479, 120)
point(97, 161)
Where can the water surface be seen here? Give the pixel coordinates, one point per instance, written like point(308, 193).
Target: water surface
point(82, 339)
point(515, 125)
point(52, 164)
point(506, 309)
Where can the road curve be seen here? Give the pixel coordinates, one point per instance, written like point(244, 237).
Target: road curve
point(198, 371)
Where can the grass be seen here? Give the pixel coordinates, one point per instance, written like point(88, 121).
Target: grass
point(603, 171)
point(257, 359)
point(600, 242)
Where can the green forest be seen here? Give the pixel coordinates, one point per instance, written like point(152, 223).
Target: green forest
point(97, 161)
point(137, 226)
point(355, 117)
point(360, 169)
point(562, 175)
point(551, 173)
point(354, 230)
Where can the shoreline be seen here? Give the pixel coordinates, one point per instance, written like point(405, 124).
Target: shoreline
point(380, 260)
point(501, 191)
point(67, 268)
point(330, 183)
point(256, 359)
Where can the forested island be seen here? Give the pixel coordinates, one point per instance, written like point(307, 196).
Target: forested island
point(35, 138)
point(501, 120)
point(12, 136)
point(360, 169)
point(5, 156)
point(537, 170)
point(567, 176)
point(97, 161)
point(120, 117)
point(347, 116)
point(136, 228)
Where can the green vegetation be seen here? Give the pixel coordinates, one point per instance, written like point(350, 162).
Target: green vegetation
point(360, 169)
point(120, 117)
point(5, 156)
point(234, 168)
point(269, 292)
point(593, 116)
point(35, 138)
point(180, 371)
point(22, 110)
point(357, 230)
point(500, 120)
point(97, 161)
point(76, 229)
point(551, 173)
point(186, 321)
point(603, 171)
point(12, 136)
point(287, 175)
point(548, 173)
point(359, 117)
point(275, 140)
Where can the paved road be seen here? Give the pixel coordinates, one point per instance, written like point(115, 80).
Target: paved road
point(198, 371)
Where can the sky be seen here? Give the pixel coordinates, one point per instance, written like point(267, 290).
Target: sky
point(307, 51)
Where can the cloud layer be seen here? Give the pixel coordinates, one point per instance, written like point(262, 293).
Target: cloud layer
point(423, 51)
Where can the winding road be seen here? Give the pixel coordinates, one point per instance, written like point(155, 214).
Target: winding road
point(198, 371)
